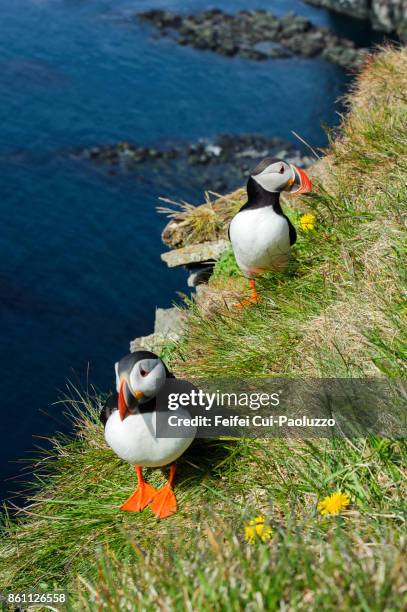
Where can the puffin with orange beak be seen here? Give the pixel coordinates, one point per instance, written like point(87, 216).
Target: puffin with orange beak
point(260, 233)
point(130, 429)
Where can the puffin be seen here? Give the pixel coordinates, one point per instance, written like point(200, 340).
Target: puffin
point(129, 420)
point(260, 233)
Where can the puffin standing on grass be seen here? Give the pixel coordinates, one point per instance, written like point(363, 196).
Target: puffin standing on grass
point(130, 428)
point(260, 233)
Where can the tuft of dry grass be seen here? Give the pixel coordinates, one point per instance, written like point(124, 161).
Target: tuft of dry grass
point(190, 224)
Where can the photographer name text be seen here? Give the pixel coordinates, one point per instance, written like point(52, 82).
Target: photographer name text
point(255, 420)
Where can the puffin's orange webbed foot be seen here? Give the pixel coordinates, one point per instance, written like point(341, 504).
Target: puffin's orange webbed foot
point(141, 497)
point(164, 503)
point(253, 299)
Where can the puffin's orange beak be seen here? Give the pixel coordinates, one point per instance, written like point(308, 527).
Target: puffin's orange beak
point(302, 183)
point(123, 407)
point(124, 410)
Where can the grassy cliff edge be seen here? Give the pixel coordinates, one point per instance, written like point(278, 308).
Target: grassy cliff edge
point(340, 311)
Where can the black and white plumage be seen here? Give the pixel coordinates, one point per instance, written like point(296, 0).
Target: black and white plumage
point(130, 420)
point(125, 371)
point(260, 233)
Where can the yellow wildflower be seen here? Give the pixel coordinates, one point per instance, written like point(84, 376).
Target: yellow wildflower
point(307, 222)
point(257, 529)
point(333, 504)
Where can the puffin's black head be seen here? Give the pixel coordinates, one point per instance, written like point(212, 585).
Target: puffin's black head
point(139, 378)
point(274, 175)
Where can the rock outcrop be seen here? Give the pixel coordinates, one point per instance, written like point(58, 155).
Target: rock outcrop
point(223, 149)
point(355, 8)
point(387, 15)
point(168, 327)
point(256, 35)
point(195, 253)
point(220, 163)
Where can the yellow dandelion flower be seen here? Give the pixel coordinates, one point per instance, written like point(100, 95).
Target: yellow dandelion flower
point(333, 504)
point(257, 529)
point(307, 222)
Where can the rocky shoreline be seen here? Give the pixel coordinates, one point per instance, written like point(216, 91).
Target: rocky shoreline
point(225, 159)
point(386, 15)
point(255, 35)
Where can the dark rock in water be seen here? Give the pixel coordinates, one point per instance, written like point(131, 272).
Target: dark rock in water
point(256, 35)
point(221, 164)
point(123, 153)
point(271, 49)
point(224, 149)
point(342, 56)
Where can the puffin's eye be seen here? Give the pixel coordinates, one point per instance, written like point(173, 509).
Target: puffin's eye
point(282, 170)
point(143, 372)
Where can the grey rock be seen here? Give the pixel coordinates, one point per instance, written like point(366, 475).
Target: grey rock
point(390, 16)
point(256, 35)
point(354, 8)
point(168, 326)
point(195, 253)
point(387, 15)
point(169, 321)
point(152, 343)
point(344, 57)
point(271, 49)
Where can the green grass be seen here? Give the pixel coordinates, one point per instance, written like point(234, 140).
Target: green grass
point(339, 311)
point(226, 266)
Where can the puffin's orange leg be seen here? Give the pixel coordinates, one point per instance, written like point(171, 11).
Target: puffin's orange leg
point(164, 503)
point(254, 296)
point(142, 496)
point(252, 299)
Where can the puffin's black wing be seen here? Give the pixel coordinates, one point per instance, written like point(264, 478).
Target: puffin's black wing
point(109, 407)
point(292, 231)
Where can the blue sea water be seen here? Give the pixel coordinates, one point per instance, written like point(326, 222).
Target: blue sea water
point(80, 269)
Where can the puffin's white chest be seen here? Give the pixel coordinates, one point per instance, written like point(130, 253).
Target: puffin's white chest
point(134, 440)
point(261, 240)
